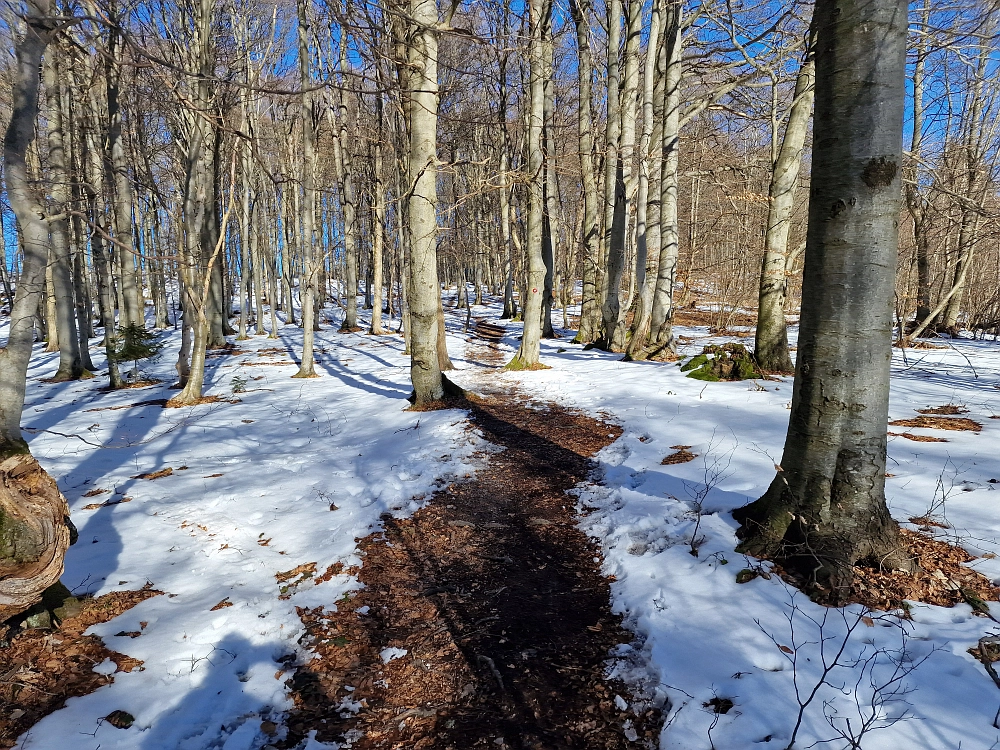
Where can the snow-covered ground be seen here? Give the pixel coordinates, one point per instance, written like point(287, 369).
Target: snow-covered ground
point(289, 476)
point(707, 637)
point(290, 450)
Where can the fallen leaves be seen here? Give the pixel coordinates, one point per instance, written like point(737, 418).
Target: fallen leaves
point(155, 474)
point(306, 570)
point(106, 503)
point(60, 664)
point(917, 438)
point(939, 423)
point(941, 578)
point(221, 605)
point(950, 409)
point(682, 455)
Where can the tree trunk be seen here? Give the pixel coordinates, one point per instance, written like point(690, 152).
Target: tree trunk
point(131, 310)
point(378, 226)
point(307, 368)
point(647, 234)
point(528, 353)
point(825, 510)
point(589, 304)
point(34, 516)
point(345, 167)
point(661, 335)
point(424, 292)
point(33, 230)
point(771, 338)
point(70, 362)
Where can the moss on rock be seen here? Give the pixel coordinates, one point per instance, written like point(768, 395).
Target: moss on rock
point(726, 362)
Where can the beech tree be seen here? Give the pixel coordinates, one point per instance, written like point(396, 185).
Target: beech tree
point(825, 510)
point(34, 516)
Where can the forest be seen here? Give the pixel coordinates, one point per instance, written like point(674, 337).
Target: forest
point(535, 374)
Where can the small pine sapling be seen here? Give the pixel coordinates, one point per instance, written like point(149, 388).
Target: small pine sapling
point(136, 343)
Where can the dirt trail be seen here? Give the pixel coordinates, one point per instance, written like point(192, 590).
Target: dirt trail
point(496, 597)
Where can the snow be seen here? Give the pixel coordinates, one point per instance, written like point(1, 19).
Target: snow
point(389, 654)
point(256, 499)
point(703, 636)
point(291, 450)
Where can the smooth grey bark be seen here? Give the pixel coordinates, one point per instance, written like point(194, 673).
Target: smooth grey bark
point(307, 367)
point(377, 225)
point(424, 293)
point(916, 201)
point(825, 510)
point(70, 362)
point(509, 305)
point(771, 336)
point(661, 336)
point(550, 191)
point(590, 309)
point(81, 280)
point(647, 219)
point(976, 181)
point(131, 310)
point(348, 198)
point(527, 355)
point(203, 238)
point(14, 357)
point(615, 199)
point(623, 188)
point(94, 175)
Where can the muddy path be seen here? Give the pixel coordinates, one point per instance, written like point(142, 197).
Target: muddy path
point(497, 600)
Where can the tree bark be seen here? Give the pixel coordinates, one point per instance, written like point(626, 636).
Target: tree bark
point(424, 292)
point(34, 516)
point(661, 335)
point(825, 510)
point(34, 232)
point(70, 362)
point(307, 368)
point(771, 337)
point(528, 354)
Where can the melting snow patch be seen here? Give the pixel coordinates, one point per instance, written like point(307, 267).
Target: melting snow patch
point(388, 654)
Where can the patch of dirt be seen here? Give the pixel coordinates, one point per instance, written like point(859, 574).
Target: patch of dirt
point(917, 438)
point(947, 409)
point(41, 669)
point(939, 423)
point(497, 599)
point(941, 579)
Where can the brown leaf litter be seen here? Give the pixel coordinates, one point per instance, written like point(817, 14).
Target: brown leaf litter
point(682, 455)
point(939, 423)
point(917, 438)
point(106, 503)
point(155, 474)
point(497, 598)
point(947, 409)
point(41, 669)
point(942, 578)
